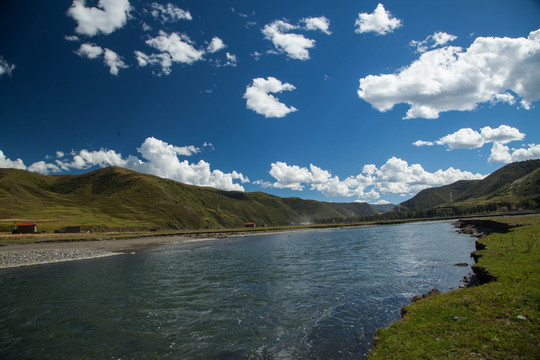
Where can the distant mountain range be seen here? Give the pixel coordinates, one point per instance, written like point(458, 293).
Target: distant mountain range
point(121, 199)
point(515, 185)
point(117, 198)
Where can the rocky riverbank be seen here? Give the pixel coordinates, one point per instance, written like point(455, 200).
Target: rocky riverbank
point(479, 228)
point(17, 258)
point(46, 252)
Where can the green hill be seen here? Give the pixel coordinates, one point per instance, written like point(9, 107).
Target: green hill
point(117, 198)
point(433, 197)
point(515, 186)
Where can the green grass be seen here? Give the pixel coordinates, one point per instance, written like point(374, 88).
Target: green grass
point(497, 320)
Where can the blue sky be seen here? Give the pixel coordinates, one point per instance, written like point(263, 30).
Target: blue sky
point(353, 101)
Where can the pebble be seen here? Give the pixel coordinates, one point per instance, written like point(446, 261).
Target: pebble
point(521, 317)
point(16, 258)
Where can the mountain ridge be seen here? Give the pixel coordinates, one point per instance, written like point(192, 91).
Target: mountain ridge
point(119, 198)
point(514, 185)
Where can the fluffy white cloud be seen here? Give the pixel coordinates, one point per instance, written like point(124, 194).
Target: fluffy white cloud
point(503, 134)
point(452, 78)
point(423, 143)
point(503, 154)
point(290, 176)
point(470, 139)
point(215, 45)
point(5, 67)
point(39, 167)
point(108, 16)
point(462, 139)
point(169, 13)
point(260, 100)
point(6, 162)
point(175, 48)
point(295, 46)
point(162, 61)
point(110, 58)
point(85, 159)
point(113, 61)
point(433, 41)
point(317, 23)
point(158, 158)
point(179, 47)
point(380, 22)
point(396, 176)
point(90, 51)
point(161, 159)
point(42, 167)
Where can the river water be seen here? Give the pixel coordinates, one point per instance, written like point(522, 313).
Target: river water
point(303, 295)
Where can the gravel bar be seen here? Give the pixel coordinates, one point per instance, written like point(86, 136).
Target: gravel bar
point(17, 258)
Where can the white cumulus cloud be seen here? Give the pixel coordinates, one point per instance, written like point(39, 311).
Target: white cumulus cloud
point(503, 134)
point(317, 23)
point(110, 58)
point(380, 22)
point(158, 158)
point(178, 46)
point(6, 162)
point(215, 45)
point(90, 51)
point(468, 138)
point(162, 61)
point(463, 139)
point(423, 143)
point(259, 99)
point(169, 13)
point(503, 154)
point(396, 176)
point(294, 45)
point(433, 41)
point(161, 159)
point(452, 78)
point(174, 47)
point(108, 16)
point(113, 61)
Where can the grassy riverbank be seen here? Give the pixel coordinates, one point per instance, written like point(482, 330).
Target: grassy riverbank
point(497, 320)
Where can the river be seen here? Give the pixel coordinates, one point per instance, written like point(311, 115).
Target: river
point(302, 295)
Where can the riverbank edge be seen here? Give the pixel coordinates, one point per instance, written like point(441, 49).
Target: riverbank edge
point(386, 340)
point(53, 248)
point(42, 252)
point(40, 249)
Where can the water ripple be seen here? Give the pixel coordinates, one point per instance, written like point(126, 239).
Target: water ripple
point(310, 295)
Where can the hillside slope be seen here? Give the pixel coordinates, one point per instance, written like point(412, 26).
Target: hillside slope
point(517, 185)
point(433, 197)
point(500, 178)
point(124, 199)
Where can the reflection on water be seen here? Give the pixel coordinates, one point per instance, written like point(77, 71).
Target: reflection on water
point(305, 295)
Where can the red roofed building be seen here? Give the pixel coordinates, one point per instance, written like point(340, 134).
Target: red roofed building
point(25, 228)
